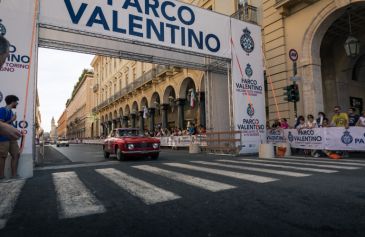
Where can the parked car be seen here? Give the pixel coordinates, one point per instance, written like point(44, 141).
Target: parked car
point(63, 142)
point(128, 142)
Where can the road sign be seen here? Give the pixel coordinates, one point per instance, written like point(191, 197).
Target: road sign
point(295, 78)
point(293, 55)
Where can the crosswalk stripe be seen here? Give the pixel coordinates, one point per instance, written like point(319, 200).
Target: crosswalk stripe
point(280, 166)
point(270, 171)
point(74, 198)
point(188, 179)
point(9, 193)
point(147, 192)
point(236, 175)
point(307, 164)
point(342, 160)
point(334, 162)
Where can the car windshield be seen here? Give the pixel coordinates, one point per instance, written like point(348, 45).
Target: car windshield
point(129, 133)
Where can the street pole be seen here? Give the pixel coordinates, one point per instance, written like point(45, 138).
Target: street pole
point(295, 102)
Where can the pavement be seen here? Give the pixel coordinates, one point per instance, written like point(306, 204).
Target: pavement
point(81, 194)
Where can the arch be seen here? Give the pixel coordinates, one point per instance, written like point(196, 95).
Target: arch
point(115, 114)
point(135, 107)
point(155, 100)
point(359, 69)
point(169, 94)
point(102, 119)
point(127, 110)
point(202, 84)
point(144, 102)
point(187, 85)
point(110, 116)
point(120, 112)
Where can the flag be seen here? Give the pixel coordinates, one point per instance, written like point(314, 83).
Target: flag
point(192, 99)
point(145, 112)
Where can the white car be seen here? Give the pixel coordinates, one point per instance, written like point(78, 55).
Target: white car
point(62, 142)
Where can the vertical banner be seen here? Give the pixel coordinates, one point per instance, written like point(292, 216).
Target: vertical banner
point(248, 85)
point(16, 24)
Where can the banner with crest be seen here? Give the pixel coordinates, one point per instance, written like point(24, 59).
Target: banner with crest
point(248, 90)
point(352, 139)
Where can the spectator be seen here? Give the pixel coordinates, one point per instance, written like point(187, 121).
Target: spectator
point(311, 123)
point(300, 123)
point(276, 124)
point(339, 119)
point(325, 123)
point(284, 123)
point(6, 145)
point(361, 121)
point(353, 118)
point(319, 120)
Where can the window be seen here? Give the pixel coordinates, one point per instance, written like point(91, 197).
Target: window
point(134, 75)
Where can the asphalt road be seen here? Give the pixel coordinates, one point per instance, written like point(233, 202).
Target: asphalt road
point(185, 195)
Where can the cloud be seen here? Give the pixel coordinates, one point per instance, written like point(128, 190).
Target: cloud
point(58, 71)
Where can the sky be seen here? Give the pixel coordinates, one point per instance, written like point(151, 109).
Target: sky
point(58, 72)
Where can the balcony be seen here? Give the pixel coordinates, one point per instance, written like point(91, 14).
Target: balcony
point(246, 13)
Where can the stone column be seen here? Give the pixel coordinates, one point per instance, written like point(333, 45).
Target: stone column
point(164, 114)
point(152, 111)
point(180, 112)
point(125, 122)
point(202, 108)
point(133, 120)
point(141, 121)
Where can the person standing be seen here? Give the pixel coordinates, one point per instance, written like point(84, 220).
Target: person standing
point(339, 119)
point(7, 145)
point(311, 123)
point(361, 122)
point(320, 119)
point(353, 118)
point(5, 129)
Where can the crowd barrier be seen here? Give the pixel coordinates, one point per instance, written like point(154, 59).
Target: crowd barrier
point(333, 138)
point(172, 141)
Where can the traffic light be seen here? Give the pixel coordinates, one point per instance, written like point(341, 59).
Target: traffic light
point(295, 93)
point(287, 93)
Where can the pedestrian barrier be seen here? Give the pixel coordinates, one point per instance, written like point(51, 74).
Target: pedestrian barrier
point(223, 142)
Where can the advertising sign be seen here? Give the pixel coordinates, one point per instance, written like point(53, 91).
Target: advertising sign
point(17, 25)
point(306, 138)
point(166, 23)
point(345, 139)
point(248, 85)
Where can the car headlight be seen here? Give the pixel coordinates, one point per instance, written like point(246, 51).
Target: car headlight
point(130, 146)
point(155, 145)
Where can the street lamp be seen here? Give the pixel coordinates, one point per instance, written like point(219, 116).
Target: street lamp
point(352, 45)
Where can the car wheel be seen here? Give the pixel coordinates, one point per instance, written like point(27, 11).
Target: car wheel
point(106, 155)
point(120, 155)
point(154, 156)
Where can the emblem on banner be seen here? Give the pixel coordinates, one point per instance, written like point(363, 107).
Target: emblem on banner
point(2, 29)
point(290, 137)
point(247, 43)
point(347, 138)
point(250, 110)
point(248, 70)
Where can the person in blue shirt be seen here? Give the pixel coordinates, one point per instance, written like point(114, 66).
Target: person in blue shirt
point(5, 129)
point(8, 145)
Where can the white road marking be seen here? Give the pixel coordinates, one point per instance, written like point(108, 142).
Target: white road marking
point(147, 192)
point(270, 171)
point(312, 158)
point(58, 167)
point(307, 164)
point(331, 162)
point(236, 175)
point(74, 198)
point(191, 180)
point(9, 193)
point(250, 162)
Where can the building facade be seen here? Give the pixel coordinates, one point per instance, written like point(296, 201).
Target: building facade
point(62, 125)
point(317, 30)
point(148, 96)
point(79, 107)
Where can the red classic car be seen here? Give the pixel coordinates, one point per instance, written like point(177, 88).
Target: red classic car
point(129, 142)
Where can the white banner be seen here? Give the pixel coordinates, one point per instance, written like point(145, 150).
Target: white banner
point(345, 139)
point(160, 22)
point(276, 136)
point(17, 25)
point(248, 89)
point(306, 138)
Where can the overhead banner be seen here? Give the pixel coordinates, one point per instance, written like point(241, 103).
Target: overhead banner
point(16, 25)
point(165, 23)
point(248, 85)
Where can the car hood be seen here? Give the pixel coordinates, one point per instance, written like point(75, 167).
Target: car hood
point(139, 139)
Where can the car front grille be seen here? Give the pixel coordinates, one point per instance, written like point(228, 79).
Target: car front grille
point(143, 145)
